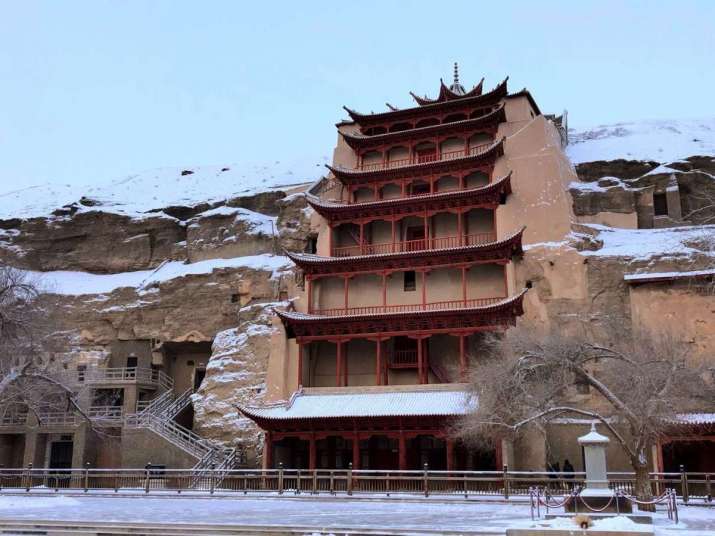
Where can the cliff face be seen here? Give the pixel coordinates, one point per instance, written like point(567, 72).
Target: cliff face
point(211, 269)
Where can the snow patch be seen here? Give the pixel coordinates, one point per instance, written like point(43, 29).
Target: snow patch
point(660, 141)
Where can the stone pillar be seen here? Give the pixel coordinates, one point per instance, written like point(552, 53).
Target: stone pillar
point(130, 399)
point(79, 443)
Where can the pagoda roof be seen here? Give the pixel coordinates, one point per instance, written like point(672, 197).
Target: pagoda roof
point(489, 195)
point(496, 251)
point(356, 175)
point(346, 403)
point(489, 317)
point(499, 92)
point(447, 93)
point(361, 141)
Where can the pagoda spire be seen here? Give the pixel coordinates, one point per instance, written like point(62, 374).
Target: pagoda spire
point(456, 87)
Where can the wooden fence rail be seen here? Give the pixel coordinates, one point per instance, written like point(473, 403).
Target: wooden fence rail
point(688, 485)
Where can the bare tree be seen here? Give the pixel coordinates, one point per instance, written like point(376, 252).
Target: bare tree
point(33, 374)
point(641, 385)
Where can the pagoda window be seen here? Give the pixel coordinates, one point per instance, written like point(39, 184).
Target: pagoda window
point(409, 281)
point(396, 154)
point(660, 204)
point(374, 131)
point(452, 146)
point(479, 112)
point(480, 138)
point(371, 158)
point(476, 180)
point(398, 127)
point(419, 187)
point(363, 194)
point(446, 184)
point(391, 191)
point(454, 117)
point(426, 152)
point(431, 121)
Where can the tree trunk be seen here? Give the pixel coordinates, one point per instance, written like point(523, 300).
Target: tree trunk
point(643, 489)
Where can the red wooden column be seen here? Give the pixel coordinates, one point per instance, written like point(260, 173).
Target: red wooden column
point(402, 449)
point(384, 289)
point(450, 454)
point(462, 358)
point(345, 371)
point(311, 452)
point(424, 289)
point(464, 285)
point(346, 280)
point(300, 365)
point(420, 361)
point(378, 362)
point(330, 240)
point(339, 363)
point(268, 451)
point(393, 234)
point(426, 231)
point(362, 238)
point(356, 451)
point(460, 234)
point(309, 291)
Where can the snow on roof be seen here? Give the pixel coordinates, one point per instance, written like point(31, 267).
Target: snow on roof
point(697, 418)
point(661, 141)
point(159, 188)
point(647, 243)
point(316, 403)
point(81, 283)
point(660, 276)
point(593, 437)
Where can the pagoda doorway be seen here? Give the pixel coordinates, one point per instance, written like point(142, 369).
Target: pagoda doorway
point(380, 453)
point(291, 452)
point(334, 452)
point(427, 449)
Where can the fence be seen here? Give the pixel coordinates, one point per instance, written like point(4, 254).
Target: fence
point(425, 482)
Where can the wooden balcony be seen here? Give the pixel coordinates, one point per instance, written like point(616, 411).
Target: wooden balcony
point(403, 359)
point(425, 158)
point(442, 242)
point(407, 308)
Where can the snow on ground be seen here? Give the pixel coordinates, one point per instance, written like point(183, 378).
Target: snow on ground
point(321, 513)
point(79, 283)
point(661, 141)
point(159, 188)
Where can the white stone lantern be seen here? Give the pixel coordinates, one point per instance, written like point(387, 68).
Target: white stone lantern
point(594, 449)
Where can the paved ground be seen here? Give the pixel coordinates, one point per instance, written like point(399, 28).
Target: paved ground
point(320, 513)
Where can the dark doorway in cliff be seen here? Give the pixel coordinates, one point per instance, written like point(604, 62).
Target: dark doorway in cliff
point(199, 376)
point(660, 204)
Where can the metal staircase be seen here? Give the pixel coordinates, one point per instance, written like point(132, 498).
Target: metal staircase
point(158, 417)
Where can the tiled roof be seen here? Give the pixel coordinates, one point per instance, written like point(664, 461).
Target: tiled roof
point(697, 418)
point(366, 402)
point(654, 277)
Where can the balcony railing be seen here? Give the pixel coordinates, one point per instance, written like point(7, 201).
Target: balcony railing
point(15, 418)
point(58, 418)
point(424, 158)
point(422, 244)
point(106, 414)
point(128, 375)
point(403, 359)
point(409, 308)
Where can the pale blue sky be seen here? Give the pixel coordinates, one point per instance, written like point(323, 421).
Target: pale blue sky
point(95, 90)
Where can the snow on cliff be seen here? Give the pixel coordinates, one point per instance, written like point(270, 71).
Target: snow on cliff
point(159, 188)
point(81, 283)
point(660, 141)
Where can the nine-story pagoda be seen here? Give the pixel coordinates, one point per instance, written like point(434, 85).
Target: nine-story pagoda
point(412, 265)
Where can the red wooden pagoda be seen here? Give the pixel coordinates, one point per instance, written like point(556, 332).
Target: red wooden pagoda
point(410, 270)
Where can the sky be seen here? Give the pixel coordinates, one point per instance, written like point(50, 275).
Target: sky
point(91, 91)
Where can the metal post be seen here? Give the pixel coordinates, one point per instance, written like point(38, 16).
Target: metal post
point(708, 488)
point(280, 478)
point(350, 478)
point(505, 471)
point(425, 479)
point(315, 481)
point(147, 471)
point(28, 474)
point(86, 477)
point(212, 482)
point(684, 484)
point(297, 483)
